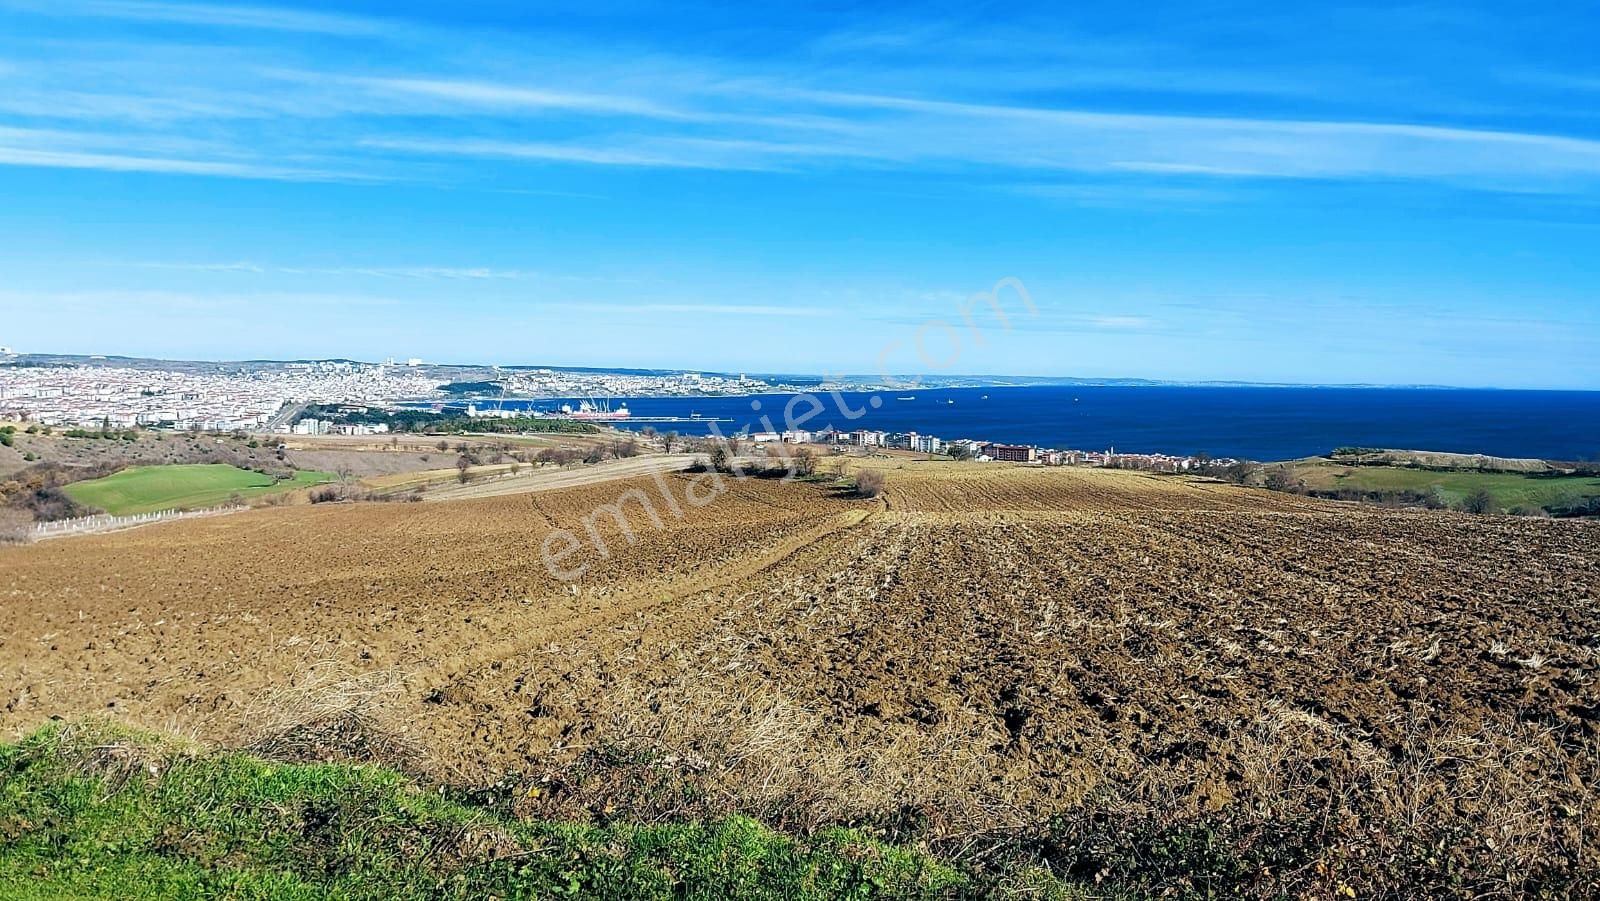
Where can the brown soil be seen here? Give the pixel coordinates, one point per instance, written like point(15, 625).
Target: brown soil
point(985, 646)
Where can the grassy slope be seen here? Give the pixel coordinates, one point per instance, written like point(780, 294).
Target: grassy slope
point(101, 812)
point(143, 489)
point(1509, 488)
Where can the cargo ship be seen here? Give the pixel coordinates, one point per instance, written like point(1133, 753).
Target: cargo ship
point(593, 412)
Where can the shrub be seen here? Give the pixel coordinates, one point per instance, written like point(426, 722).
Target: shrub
point(720, 458)
point(1282, 478)
point(869, 483)
point(16, 527)
point(1479, 502)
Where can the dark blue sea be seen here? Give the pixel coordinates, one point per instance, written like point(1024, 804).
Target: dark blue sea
point(1251, 423)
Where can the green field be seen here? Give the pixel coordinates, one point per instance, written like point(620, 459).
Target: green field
point(105, 813)
point(1510, 489)
point(144, 489)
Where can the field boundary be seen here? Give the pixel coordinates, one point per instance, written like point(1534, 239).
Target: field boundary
point(105, 522)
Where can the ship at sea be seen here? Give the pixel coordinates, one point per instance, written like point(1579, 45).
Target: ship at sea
point(590, 411)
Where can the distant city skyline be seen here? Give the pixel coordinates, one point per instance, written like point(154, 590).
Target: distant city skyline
point(1352, 195)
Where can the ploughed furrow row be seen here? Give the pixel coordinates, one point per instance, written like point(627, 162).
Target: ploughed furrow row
point(993, 646)
point(190, 621)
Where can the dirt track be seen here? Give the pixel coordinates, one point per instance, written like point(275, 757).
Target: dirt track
point(985, 644)
point(540, 478)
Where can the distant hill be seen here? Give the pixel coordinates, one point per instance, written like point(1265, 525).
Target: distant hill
point(1362, 456)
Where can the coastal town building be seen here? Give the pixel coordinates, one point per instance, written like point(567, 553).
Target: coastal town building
point(1010, 453)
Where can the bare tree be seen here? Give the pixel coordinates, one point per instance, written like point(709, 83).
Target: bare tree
point(669, 440)
point(804, 463)
point(462, 466)
point(721, 459)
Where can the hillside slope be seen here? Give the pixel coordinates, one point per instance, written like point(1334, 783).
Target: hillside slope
point(1087, 666)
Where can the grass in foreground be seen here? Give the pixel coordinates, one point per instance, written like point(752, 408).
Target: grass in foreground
point(96, 811)
point(145, 489)
point(1509, 489)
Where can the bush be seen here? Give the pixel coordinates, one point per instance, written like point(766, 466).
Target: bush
point(1479, 502)
point(16, 527)
point(869, 483)
point(1569, 504)
point(720, 457)
point(1282, 478)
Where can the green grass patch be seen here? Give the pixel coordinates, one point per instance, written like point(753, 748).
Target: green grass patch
point(95, 811)
point(145, 489)
point(1509, 489)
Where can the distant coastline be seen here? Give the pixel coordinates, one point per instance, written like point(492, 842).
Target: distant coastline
point(1262, 424)
point(465, 372)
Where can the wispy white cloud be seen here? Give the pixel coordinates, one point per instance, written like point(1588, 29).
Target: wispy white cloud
point(588, 154)
point(455, 273)
point(518, 97)
point(191, 302)
point(699, 114)
point(153, 153)
point(209, 15)
point(110, 162)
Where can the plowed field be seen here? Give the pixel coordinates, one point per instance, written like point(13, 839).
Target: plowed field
point(984, 648)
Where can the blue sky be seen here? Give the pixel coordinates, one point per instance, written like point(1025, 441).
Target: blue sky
point(1358, 193)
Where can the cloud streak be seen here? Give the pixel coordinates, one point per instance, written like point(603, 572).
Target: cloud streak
point(452, 273)
point(275, 114)
point(209, 16)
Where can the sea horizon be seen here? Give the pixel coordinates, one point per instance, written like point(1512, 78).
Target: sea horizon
point(1257, 423)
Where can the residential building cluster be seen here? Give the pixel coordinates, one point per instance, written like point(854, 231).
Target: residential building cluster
point(312, 426)
point(539, 383)
point(92, 396)
point(989, 451)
